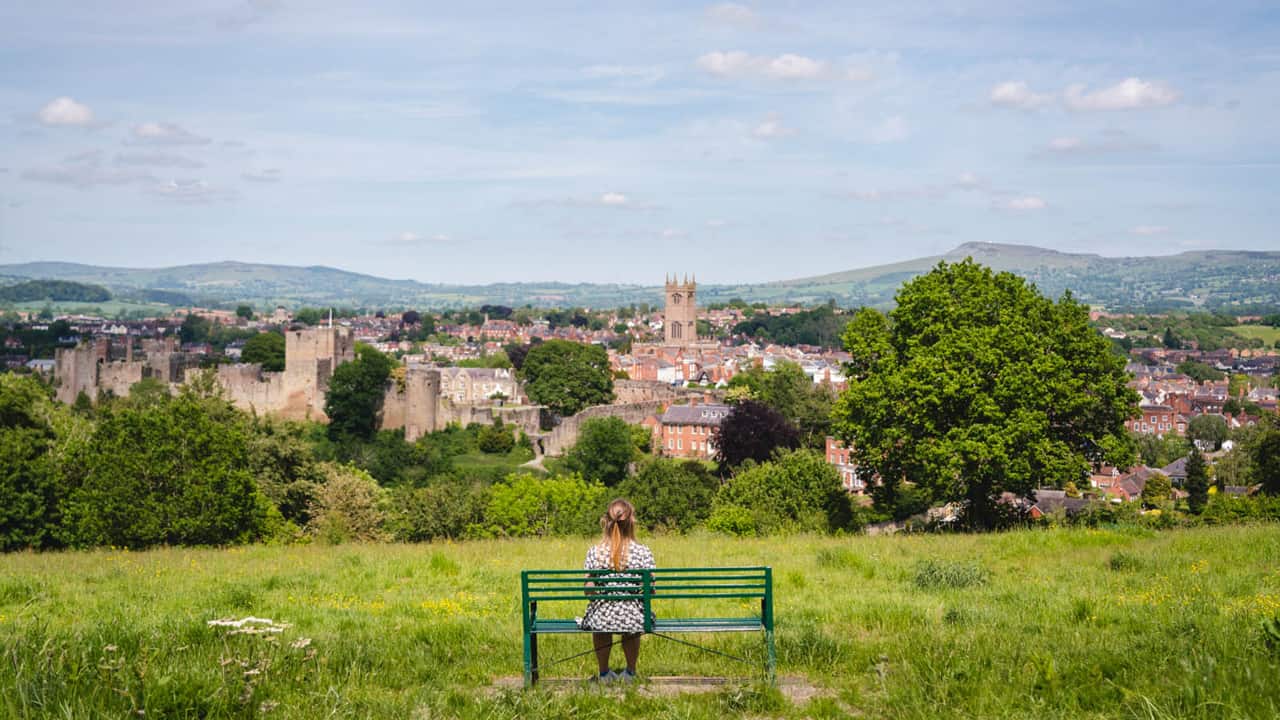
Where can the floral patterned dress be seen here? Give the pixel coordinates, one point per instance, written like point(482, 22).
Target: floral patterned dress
point(616, 616)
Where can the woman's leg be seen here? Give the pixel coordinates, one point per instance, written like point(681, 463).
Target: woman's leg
point(603, 643)
point(631, 649)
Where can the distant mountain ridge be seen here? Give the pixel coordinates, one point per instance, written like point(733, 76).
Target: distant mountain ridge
point(1199, 279)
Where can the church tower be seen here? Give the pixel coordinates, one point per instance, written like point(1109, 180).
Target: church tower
point(680, 319)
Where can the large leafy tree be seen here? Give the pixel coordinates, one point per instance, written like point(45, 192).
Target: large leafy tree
point(1197, 483)
point(266, 348)
point(795, 489)
point(604, 450)
point(974, 385)
point(174, 474)
point(355, 396)
point(1208, 430)
point(671, 494)
point(567, 376)
point(1264, 451)
point(752, 431)
point(29, 493)
point(789, 390)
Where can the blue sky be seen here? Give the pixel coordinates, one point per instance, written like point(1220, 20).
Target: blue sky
point(603, 142)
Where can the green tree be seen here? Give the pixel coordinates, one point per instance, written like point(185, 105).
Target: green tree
point(244, 311)
point(1238, 385)
point(175, 474)
point(975, 384)
point(30, 496)
point(670, 494)
point(308, 315)
point(446, 509)
point(495, 439)
point(1157, 490)
point(796, 489)
point(1198, 371)
point(195, 329)
point(523, 506)
point(355, 396)
point(349, 506)
point(604, 450)
point(265, 348)
point(789, 390)
point(567, 376)
point(285, 468)
point(1171, 340)
point(1264, 454)
point(1208, 430)
point(1197, 483)
point(752, 431)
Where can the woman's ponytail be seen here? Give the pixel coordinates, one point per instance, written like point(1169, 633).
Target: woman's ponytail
point(619, 528)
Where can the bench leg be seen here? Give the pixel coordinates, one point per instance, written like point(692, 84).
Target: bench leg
point(528, 660)
point(771, 661)
point(533, 637)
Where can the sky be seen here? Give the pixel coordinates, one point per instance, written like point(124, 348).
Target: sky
point(616, 142)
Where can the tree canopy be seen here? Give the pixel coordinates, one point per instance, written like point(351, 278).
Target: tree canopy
point(266, 348)
point(605, 447)
point(567, 376)
point(355, 396)
point(975, 384)
point(752, 431)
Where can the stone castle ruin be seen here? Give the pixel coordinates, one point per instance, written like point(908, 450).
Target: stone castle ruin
point(421, 400)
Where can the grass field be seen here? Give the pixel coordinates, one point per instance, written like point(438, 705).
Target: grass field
point(1035, 624)
point(1265, 333)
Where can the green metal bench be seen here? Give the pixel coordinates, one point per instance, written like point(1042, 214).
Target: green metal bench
point(647, 586)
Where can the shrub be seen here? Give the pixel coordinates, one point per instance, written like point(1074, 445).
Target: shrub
point(943, 574)
point(797, 489)
point(671, 494)
point(348, 506)
point(445, 509)
point(523, 505)
point(731, 520)
point(495, 439)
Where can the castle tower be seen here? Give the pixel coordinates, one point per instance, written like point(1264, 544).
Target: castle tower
point(680, 319)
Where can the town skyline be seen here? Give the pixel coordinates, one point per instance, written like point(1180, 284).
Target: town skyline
point(455, 144)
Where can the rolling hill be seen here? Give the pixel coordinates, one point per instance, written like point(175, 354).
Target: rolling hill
point(1242, 280)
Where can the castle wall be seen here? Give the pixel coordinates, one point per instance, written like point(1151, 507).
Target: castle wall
point(76, 370)
point(117, 377)
point(566, 433)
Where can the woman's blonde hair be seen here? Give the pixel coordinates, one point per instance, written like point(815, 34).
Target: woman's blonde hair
point(619, 526)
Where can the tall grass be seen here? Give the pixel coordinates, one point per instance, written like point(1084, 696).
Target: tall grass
point(1044, 624)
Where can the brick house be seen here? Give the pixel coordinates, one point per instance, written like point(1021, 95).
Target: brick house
point(1159, 420)
point(688, 431)
point(838, 456)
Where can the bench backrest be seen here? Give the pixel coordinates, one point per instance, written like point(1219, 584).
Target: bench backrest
point(648, 585)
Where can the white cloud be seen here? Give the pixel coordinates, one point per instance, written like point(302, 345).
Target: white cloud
point(787, 66)
point(614, 199)
point(162, 133)
point(65, 112)
point(891, 129)
point(716, 223)
point(409, 238)
point(157, 159)
point(799, 67)
point(733, 14)
point(1016, 94)
point(1065, 144)
point(1021, 203)
point(1150, 230)
point(189, 192)
point(969, 181)
point(1128, 94)
point(268, 175)
point(672, 233)
point(772, 127)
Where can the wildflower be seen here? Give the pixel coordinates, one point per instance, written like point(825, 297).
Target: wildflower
point(300, 643)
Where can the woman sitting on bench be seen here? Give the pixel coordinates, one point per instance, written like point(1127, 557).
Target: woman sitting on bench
point(617, 551)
